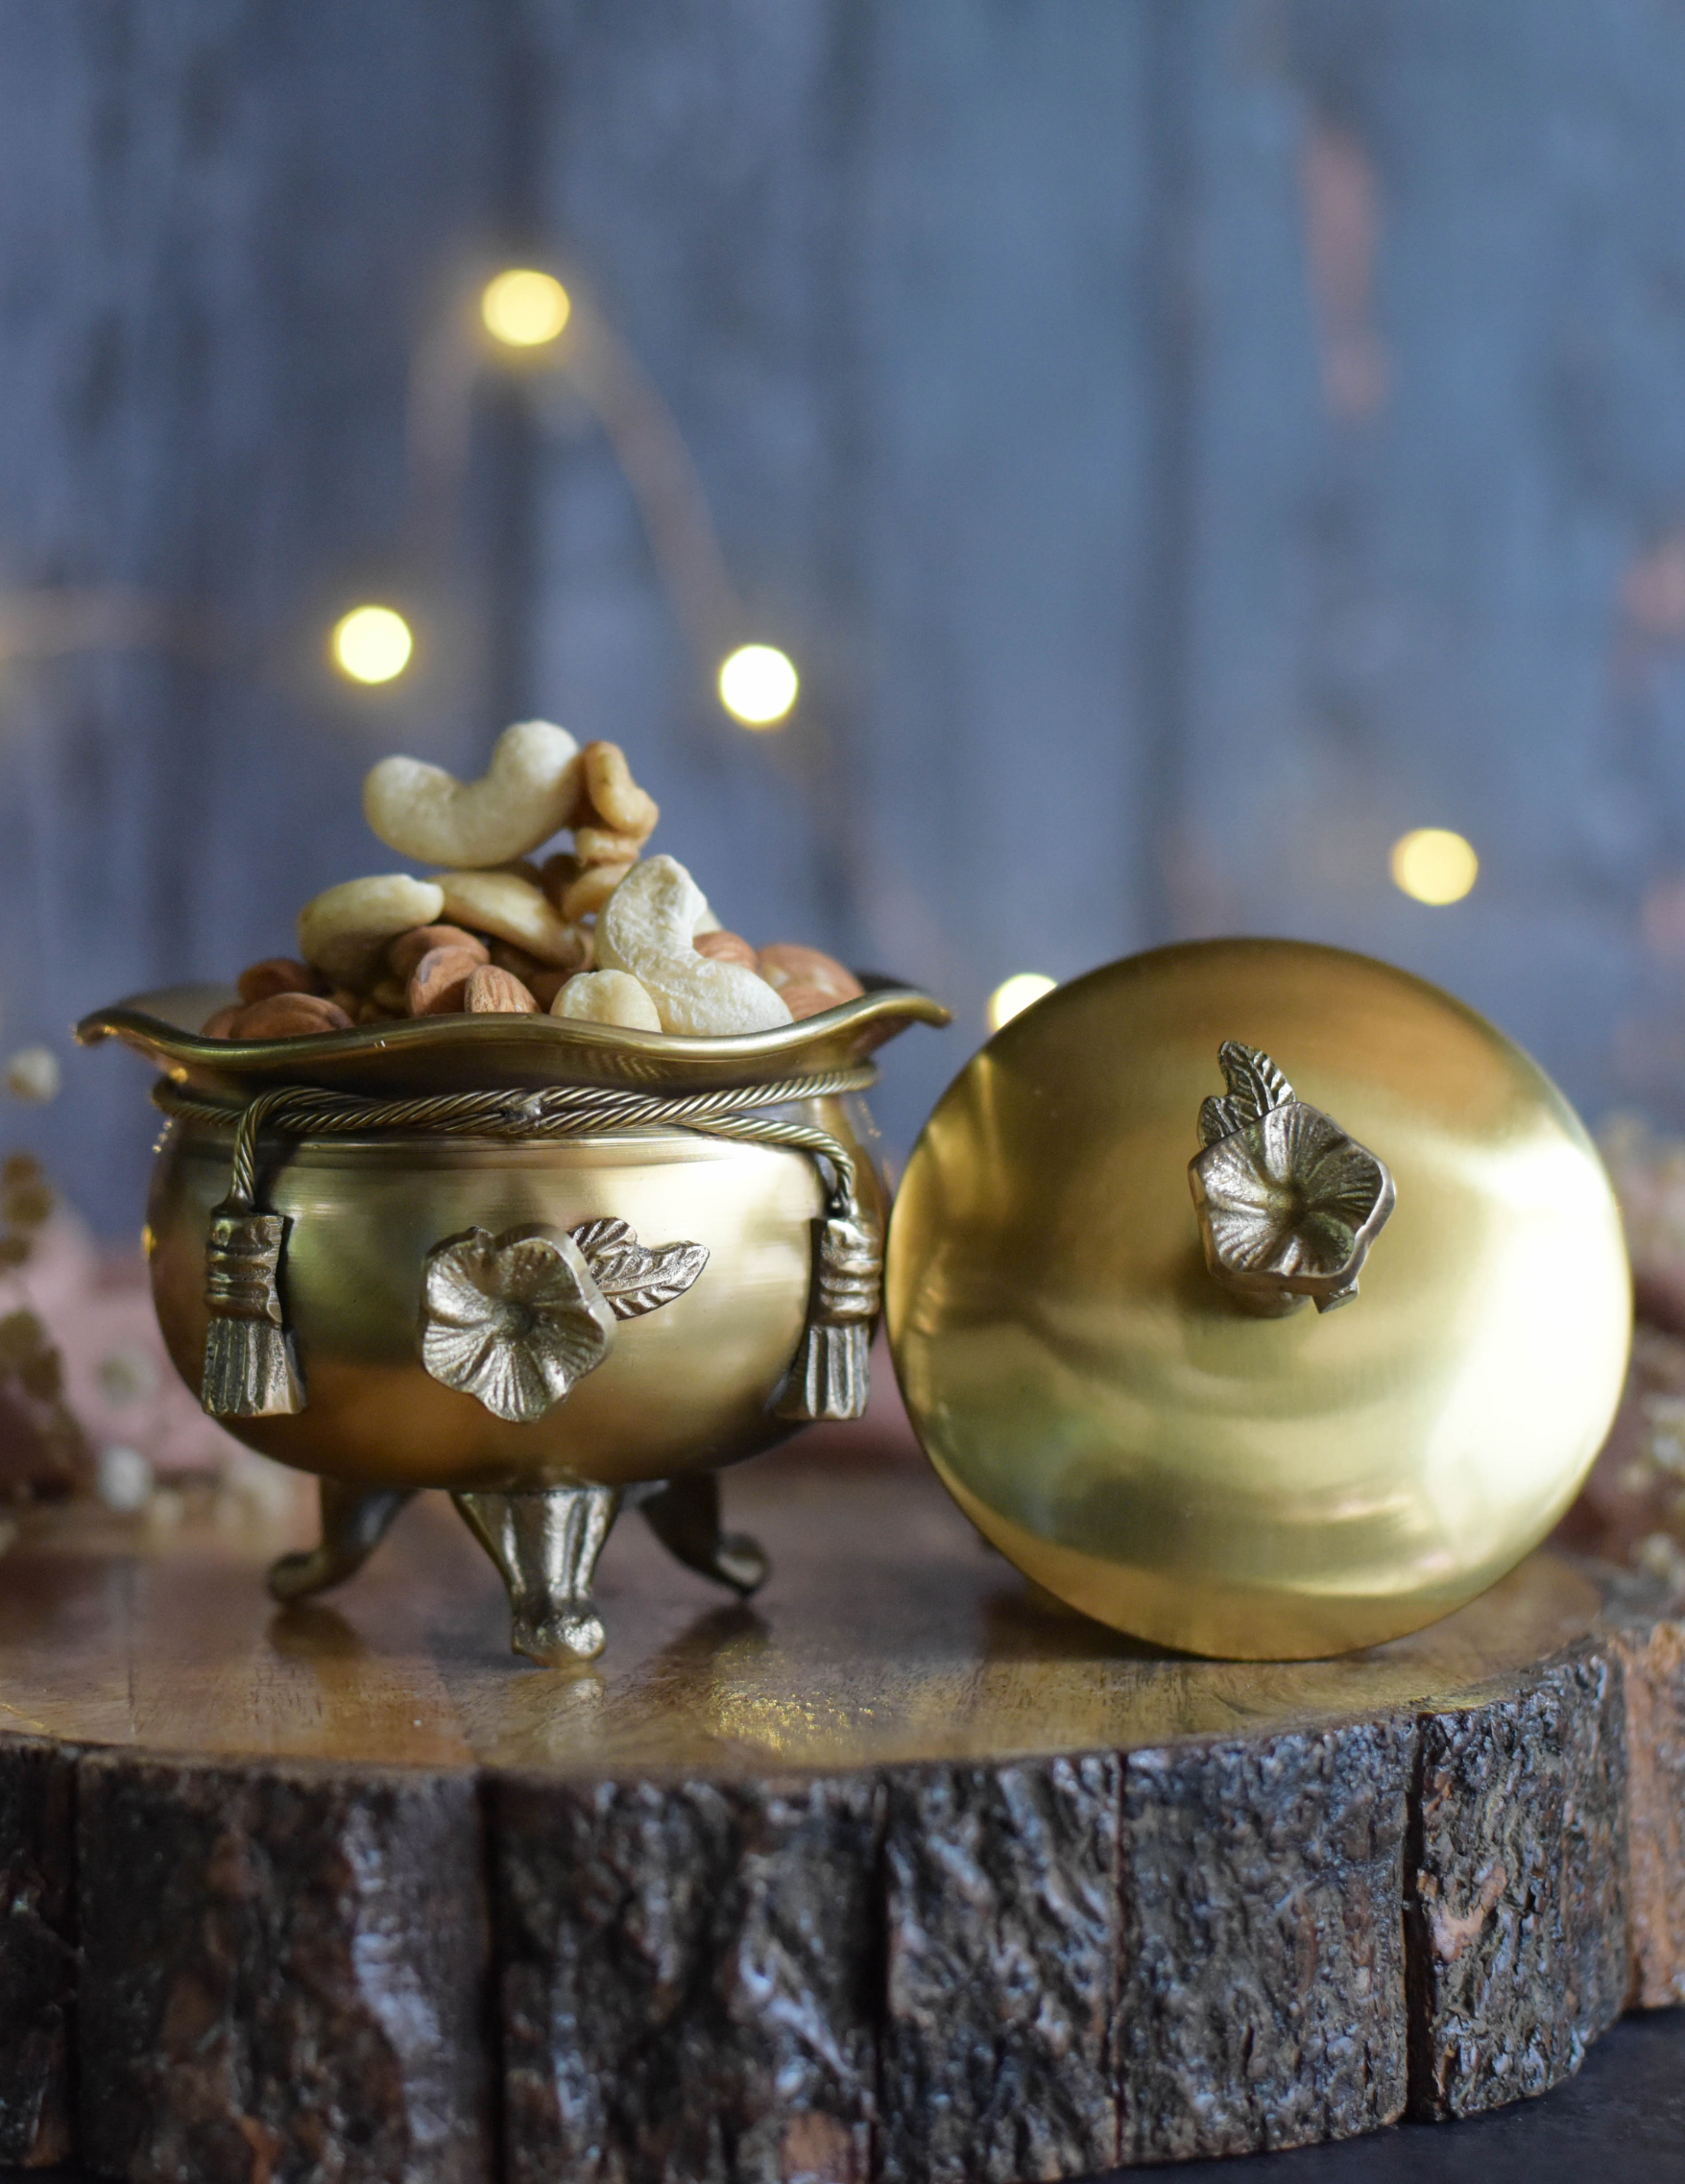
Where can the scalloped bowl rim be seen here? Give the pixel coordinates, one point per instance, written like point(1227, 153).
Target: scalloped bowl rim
point(141, 1022)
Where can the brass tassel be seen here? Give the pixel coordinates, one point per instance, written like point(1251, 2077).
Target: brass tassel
point(831, 1376)
point(250, 1368)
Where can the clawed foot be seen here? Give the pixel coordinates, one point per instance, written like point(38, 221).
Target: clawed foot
point(554, 1639)
point(545, 1546)
point(684, 1515)
point(296, 1575)
point(741, 1563)
point(353, 1522)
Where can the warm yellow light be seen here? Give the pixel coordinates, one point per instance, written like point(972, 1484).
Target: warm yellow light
point(758, 685)
point(1014, 995)
point(525, 308)
point(372, 644)
point(1435, 865)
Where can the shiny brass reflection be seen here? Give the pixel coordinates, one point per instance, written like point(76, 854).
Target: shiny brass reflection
point(1157, 1454)
point(481, 1313)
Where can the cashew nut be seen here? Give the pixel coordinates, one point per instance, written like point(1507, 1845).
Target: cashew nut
point(528, 791)
point(601, 846)
point(579, 891)
point(344, 930)
point(619, 804)
point(513, 909)
point(607, 996)
point(647, 927)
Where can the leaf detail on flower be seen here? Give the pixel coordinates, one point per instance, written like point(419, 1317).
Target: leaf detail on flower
point(633, 1280)
point(1215, 1120)
point(1255, 1084)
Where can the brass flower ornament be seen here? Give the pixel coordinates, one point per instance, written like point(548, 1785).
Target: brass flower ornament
point(514, 1320)
point(1287, 1204)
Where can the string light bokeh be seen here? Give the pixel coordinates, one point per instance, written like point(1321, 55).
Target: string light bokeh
point(524, 309)
point(1432, 864)
point(372, 644)
point(757, 686)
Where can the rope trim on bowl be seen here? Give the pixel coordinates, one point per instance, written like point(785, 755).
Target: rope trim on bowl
point(250, 1364)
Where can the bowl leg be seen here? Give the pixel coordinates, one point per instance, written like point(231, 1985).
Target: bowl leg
point(684, 1516)
point(545, 1546)
point(353, 1522)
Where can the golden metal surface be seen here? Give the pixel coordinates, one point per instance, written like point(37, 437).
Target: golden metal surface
point(1154, 1453)
point(363, 1216)
point(684, 1388)
point(458, 1053)
point(425, 1287)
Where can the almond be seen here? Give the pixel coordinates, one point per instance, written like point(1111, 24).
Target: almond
point(726, 947)
point(786, 964)
point(222, 1024)
point(280, 975)
point(808, 1001)
point(439, 981)
point(403, 954)
point(495, 992)
point(289, 1016)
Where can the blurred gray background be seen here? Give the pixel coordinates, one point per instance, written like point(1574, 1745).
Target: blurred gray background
point(1183, 443)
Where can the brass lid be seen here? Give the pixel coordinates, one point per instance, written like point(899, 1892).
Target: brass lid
point(1094, 1263)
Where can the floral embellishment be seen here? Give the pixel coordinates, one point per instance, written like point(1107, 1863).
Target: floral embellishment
point(514, 1320)
point(1287, 1204)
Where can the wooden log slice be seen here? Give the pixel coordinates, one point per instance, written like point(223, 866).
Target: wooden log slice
point(897, 1874)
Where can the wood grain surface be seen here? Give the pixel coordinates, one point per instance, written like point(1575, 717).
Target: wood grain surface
point(897, 1874)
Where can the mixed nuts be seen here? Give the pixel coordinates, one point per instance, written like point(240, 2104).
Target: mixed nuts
point(600, 933)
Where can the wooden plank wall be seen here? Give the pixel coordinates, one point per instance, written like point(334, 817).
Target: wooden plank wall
point(1184, 444)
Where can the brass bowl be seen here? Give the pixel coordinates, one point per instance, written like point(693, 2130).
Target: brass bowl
point(675, 1392)
point(683, 1389)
